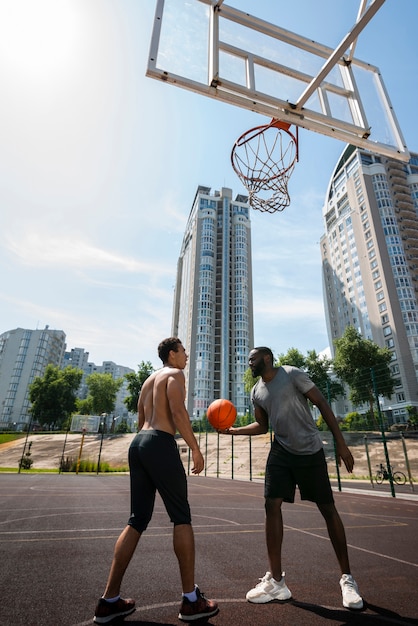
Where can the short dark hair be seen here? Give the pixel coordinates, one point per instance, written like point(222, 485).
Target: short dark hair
point(266, 351)
point(164, 347)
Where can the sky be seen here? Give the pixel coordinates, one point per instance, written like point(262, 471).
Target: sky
point(99, 166)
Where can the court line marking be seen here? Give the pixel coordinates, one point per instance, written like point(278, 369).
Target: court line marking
point(224, 532)
point(384, 556)
point(379, 522)
point(366, 614)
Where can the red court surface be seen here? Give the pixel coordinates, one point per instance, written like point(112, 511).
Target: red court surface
point(57, 534)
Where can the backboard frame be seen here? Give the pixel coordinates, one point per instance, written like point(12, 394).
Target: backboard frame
point(357, 131)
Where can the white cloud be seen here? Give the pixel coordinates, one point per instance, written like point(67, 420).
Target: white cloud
point(36, 249)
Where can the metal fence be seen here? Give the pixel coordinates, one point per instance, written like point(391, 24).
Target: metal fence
point(233, 457)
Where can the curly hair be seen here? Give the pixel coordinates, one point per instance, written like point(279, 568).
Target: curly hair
point(171, 343)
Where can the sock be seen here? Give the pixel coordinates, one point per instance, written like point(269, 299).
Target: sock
point(192, 596)
point(111, 600)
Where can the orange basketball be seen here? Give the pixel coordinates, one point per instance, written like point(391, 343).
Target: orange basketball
point(221, 414)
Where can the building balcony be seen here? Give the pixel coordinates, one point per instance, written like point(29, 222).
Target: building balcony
point(403, 194)
point(411, 237)
point(409, 225)
point(398, 180)
point(395, 166)
point(407, 205)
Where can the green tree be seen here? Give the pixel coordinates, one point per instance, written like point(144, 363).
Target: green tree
point(412, 415)
point(135, 382)
point(103, 389)
point(318, 369)
point(292, 357)
point(122, 427)
point(53, 395)
point(248, 380)
point(364, 366)
point(84, 406)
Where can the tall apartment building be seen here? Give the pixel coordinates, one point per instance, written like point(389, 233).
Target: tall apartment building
point(78, 357)
point(213, 300)
point(370, 262)
point(24, 355)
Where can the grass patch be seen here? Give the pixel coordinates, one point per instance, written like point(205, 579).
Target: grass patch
point(104, 469)
point(14, 470)
point(87, 466)
point(7, 437)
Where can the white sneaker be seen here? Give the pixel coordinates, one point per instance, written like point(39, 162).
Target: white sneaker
point(351, 596)
point(269, 589)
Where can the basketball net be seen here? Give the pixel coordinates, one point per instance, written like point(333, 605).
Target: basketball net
point(264, 158)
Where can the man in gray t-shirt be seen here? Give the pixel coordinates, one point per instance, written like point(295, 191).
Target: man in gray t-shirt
point(283, 400)
point(296, 458)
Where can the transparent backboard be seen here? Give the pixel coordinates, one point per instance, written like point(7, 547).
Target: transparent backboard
point(219, 51)
point(87, 423)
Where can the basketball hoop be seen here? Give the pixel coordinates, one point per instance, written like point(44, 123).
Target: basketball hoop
point(264, 158)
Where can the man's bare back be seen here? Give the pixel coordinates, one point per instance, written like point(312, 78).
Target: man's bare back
point(157, 400)
point(161, 403)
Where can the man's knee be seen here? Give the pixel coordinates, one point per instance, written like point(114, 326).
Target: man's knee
point(273, 505)
point(178, 525)
point(328, 511)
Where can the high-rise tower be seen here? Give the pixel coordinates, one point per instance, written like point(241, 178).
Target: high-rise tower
point(370, 262)
point(213, 302)
point(24, 355)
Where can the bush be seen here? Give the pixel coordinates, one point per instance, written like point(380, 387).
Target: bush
point(26, 462)
point(356, 421)
point(321, 424)
point(123, 427)
point(89, 466)
point(66, 464)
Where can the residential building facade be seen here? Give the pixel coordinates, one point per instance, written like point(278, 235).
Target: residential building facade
point(370, 263)
point(213, 300)
point(78, 357)
point(24, 355)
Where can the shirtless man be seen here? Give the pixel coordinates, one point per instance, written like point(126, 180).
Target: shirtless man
point(155, 465)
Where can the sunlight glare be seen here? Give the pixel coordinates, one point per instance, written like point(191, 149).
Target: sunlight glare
point(37, 37)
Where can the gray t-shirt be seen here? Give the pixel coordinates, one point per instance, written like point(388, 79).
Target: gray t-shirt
point(284, 402)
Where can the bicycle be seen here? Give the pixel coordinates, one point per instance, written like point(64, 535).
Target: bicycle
point(383, 474)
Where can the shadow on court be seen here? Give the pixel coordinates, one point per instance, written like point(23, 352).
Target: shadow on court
point(57, 534)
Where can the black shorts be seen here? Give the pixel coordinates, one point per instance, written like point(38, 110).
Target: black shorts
point(155, 465)
point(309, 472)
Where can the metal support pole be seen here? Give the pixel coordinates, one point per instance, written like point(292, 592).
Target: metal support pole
point(100, 450)
point(408, 467)
point(335, 445)
point(24, 447)
point(382, 430)
point(368, 460)
point(81, 450)
point(251, 458)
point(63, 452)
point(206, 451)
point(217, 456)
point(232, 459)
